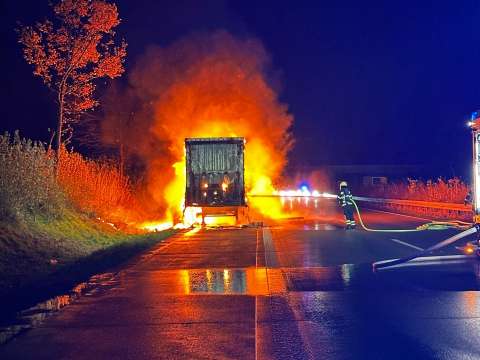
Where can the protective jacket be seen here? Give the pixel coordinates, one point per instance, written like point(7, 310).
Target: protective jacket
point(345, 197)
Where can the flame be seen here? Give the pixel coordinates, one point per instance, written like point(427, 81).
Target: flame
point(212, 85)
point(224, 93)
point(156, 226)
point(270, 207)
point(192, 216)
point(219, 220)
point(224, 186)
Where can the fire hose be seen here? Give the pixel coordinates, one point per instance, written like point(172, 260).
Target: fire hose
point(468, 229)
point(433, 225)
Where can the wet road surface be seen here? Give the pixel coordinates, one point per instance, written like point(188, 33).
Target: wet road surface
point(293, 290)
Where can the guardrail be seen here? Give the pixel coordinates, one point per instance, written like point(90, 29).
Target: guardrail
point(418, 203)
point(413, 203)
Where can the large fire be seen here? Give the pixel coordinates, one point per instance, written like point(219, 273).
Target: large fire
point(211, 86)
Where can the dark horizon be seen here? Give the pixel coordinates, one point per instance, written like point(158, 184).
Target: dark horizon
point(393, 83)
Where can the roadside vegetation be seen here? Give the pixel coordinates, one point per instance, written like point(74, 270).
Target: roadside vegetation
point(56, 233)
point(98, 188)
point(441, 190)
point(64, 217)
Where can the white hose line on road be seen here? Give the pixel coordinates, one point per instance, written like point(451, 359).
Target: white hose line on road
point(433, 225)
point(403, 215)
point(381, 264)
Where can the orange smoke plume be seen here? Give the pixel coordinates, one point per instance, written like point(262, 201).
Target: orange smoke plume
point(212, 85)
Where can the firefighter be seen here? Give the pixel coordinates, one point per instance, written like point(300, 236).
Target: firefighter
point(345, 199)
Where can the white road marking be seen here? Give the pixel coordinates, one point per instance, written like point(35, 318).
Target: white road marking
point(271, 259)
point(407, 244)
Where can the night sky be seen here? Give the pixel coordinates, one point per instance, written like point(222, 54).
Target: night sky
point(387, 82)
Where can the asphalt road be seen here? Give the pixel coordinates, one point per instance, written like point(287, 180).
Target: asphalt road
point(297, 289)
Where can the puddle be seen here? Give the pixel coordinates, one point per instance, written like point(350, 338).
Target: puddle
point(216, 281)
point(244, 281)
point(35, 315)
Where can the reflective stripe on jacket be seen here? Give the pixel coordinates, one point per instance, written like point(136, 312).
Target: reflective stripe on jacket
point(345, 197)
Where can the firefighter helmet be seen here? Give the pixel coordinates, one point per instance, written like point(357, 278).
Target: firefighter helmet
point(343, 184)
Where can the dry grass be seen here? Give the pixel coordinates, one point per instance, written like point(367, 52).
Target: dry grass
point(29, 187)
point(97, 187)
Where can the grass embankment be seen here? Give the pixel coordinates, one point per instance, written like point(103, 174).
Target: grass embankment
point(43, 259)
point(49, 242)
point(50, 256)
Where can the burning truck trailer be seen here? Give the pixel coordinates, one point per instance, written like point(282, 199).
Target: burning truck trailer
point(215, 178)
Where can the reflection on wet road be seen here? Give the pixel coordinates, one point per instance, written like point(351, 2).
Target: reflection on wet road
point(249, 281)
point(299, 289)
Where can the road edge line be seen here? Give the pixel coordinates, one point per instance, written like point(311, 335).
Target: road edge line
point(407, 244)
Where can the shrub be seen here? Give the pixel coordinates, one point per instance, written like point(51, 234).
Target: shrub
point(449, 191)
point(29, 185)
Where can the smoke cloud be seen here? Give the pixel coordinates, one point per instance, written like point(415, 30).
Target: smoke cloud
point(208, 85)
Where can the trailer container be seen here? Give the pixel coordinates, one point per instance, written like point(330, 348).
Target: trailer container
point(215, 176)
